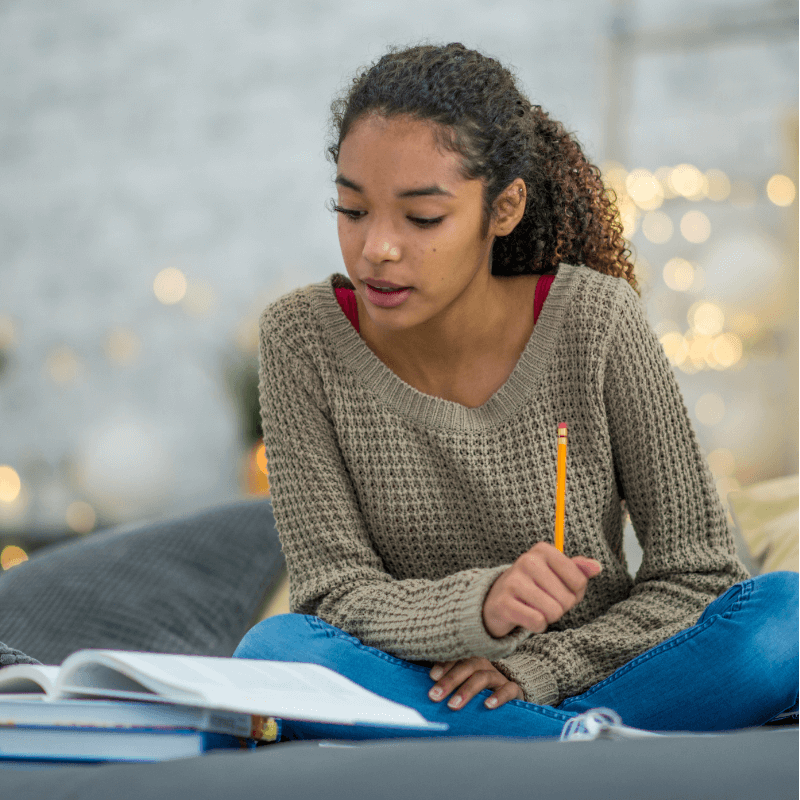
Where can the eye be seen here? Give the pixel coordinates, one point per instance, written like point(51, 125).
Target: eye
point(355, 216)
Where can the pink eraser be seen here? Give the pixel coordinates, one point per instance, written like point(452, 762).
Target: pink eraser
point(562, 425)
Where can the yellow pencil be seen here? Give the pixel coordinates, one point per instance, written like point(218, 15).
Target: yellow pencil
point(561, 487)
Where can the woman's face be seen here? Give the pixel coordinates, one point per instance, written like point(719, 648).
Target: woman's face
point(407, 217)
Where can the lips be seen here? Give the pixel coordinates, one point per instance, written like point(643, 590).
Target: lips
point(376, 284)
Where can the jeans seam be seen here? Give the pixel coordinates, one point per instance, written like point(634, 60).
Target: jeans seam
point(333, 632)
point(672, 641)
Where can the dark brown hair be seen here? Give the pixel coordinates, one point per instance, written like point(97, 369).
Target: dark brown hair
point(478, 111)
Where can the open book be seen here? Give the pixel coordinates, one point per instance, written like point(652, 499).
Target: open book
point(280, 689)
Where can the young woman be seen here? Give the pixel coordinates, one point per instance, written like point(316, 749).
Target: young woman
point(410, 417)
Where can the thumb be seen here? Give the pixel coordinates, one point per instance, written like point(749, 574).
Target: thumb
point(588, 566)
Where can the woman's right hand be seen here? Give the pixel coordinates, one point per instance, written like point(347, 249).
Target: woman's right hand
point(537, 590)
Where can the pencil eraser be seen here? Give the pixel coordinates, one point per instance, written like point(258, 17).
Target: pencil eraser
point(562, 425)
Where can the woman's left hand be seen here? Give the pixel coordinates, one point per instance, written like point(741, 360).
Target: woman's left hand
point(468, 677)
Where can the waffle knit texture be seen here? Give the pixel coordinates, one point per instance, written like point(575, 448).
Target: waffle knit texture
point(397, 510)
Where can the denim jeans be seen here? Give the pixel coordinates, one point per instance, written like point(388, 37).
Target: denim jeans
point(736, 667)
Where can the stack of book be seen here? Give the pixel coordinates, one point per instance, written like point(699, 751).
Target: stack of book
point(114, 705)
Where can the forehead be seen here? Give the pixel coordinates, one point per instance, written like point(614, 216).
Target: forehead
point(398, 149)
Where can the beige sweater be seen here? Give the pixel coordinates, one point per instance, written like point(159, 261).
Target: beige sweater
point(397, 510)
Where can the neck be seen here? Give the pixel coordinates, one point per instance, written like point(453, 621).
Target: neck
point(494, 322)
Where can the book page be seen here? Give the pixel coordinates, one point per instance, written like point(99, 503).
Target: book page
point(28, 679)
point(270, 688)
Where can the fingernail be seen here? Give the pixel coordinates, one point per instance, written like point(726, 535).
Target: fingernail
point(435, 693)
point(455, 702)
point(437, 673)
point(491, 702)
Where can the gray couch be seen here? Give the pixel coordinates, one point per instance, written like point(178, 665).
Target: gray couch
point(196, 584)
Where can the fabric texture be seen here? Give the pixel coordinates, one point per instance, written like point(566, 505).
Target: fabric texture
point(10, 655)
point(188, 585)
point(397, 510)
point(704, 674)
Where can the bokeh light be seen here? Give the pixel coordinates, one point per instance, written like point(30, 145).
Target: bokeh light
point(11, 555)
point(727, 350)
point(657, 227)
point(780, 190)
point(169, 286)
point(688, 181)
point(710, 409)
point(695, 227)
point(62, 365)
point(663, 175)
point(8, 332)
point(81, 517)
point(722, 462)
point(719, 185)
point(679, 274)
point(644, 189)
point(10, 484)
point(706, 318)
point(122, 346)
point(675, 347)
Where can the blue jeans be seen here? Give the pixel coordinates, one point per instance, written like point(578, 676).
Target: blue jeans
point(736, 667)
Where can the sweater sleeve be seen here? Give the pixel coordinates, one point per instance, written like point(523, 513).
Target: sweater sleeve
point(688, 549)
point(334, 571)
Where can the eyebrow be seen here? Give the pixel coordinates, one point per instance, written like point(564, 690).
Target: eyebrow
point(422, 191)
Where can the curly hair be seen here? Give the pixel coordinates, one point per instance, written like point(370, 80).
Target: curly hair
point(477, 111)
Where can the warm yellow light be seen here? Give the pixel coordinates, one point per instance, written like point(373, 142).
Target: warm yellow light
point(699, 348)
point(657, 227)
point(11, 555)
point(663, 175)
point(710, 409)
point(745, 323)
point(722, 462)
point(81, 517)
point(688, 181)
point(169, 286)
point(8, 334)
point(678, 274)
point(719, 185)
point(261, 459)
point(629, 216)
point(644, 189)
point(695, 227)
point(780, 190)
point(674, 347)
point(62, 365)
point(706, 318)
point(199, 299)
point(613, 175)
point(247, 335)
point(727, 350)
point(122, 346)
point(10, 484)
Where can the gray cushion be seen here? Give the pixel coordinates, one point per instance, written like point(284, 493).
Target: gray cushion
point(188, 585)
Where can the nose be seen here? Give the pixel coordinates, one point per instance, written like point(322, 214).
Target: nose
point(380, 246)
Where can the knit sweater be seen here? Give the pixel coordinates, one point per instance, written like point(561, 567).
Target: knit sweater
point(397, 510)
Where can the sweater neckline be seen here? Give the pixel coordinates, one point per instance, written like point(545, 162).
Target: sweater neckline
point(353, 353)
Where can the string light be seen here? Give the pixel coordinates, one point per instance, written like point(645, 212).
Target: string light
point(679, 274)
point(169, 286)
point(81, 517)
point(780, 190)
point(695, 227)
point(657, 227)
point(10, 484)
point(11, 555)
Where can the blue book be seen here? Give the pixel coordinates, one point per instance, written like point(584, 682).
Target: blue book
point(91, 745)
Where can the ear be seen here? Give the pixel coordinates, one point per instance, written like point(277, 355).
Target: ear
point(509, 207)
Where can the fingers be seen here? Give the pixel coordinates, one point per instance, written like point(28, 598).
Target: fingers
point(537, 590)
point(468, 678)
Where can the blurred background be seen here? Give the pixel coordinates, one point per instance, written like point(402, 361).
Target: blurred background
point(163, 178)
